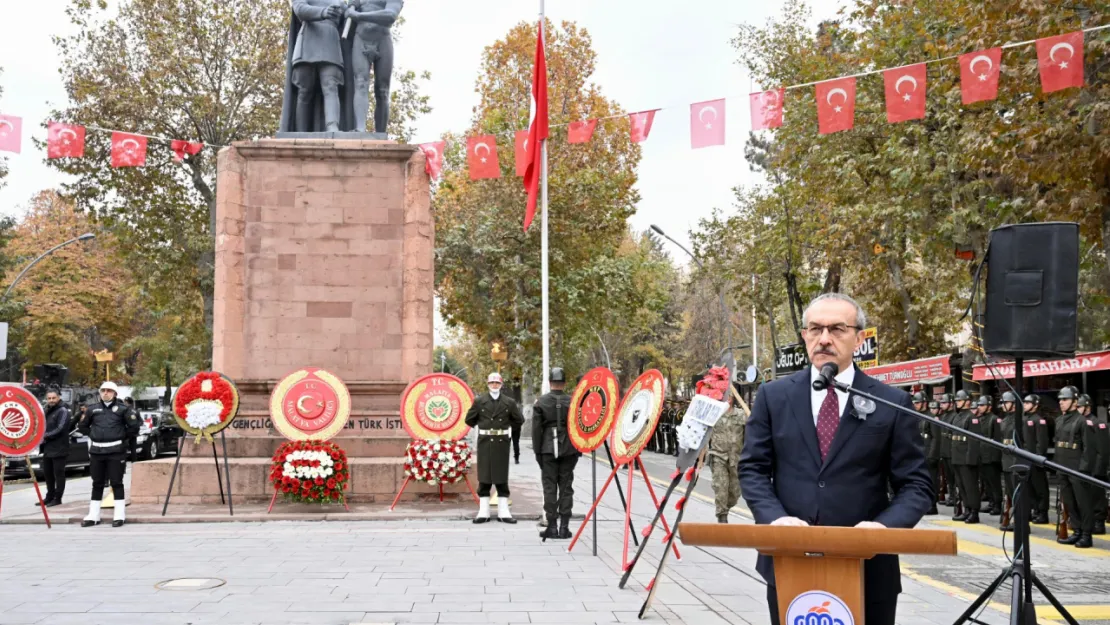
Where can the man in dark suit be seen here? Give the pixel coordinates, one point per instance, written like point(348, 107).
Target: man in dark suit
point(816, 458)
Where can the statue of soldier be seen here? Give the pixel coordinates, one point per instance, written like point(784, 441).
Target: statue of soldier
point(990, 458)
point(493, 414)
point(724, 458)
point(314, 69)
point(555, 454)
point(373, 49)
point(965, 458)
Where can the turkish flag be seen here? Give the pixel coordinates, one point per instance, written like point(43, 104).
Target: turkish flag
point(520, 152)
point(64, 140)
point(905, 93)
point(836, 105)
point(581, 132)
point(767, 109)
point(707, 124)
point(181, 148)
point(481, 157)
point(11, 133)
point(128, 150)
point(641, 125)
point(538, 131)
point(1061, 61)
point(979, 73)
point(433, 157)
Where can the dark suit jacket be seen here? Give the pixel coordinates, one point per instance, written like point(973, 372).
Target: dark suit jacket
point(781, 473)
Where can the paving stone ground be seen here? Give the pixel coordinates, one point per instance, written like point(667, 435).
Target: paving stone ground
point(451, 571)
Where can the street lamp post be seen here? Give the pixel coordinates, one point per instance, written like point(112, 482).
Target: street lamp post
point(83, 237)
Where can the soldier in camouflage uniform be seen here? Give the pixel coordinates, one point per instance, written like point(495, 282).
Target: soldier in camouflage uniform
point(724, 459)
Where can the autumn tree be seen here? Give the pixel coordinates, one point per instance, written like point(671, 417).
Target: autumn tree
point(487, 267)
point(195, 69)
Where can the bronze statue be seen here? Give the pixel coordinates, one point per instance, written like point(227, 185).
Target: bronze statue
point(373, 49)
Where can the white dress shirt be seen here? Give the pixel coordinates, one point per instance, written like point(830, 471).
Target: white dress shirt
point(816, 398)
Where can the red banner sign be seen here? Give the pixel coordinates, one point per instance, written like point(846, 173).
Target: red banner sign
point(912, 372)
point(1095, 361)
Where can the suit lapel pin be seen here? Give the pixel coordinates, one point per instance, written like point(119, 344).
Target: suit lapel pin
point(864, 407)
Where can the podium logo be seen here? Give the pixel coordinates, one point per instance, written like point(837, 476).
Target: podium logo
point(818, 608)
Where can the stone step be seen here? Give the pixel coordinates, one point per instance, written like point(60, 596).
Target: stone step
point(373, 480)
point(265, 446)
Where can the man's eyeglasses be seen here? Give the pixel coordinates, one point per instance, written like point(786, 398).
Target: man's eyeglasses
point(837, 330)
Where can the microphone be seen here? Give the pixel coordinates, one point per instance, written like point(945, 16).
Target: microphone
point(825, 379)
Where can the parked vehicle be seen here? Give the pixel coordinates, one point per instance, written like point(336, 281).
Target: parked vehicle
point(159, 432)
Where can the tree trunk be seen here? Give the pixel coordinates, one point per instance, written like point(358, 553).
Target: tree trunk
point(832, 278)
point(206, 260)
point(774, 344)
point(907, 306)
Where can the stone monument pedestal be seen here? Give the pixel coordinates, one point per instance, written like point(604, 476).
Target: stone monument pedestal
point(324, 258)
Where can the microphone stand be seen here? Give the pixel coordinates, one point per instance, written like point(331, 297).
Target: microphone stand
point(1020, 571)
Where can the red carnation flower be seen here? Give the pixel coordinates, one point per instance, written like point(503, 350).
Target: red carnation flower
point(331, 483)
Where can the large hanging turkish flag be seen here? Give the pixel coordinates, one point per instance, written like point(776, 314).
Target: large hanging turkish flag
point(433, 157)
point(979, 73)
point(520, 152)
point(65, 140)
point(481, 157)
point(11, 133)
point(767, 109)
point(707, 124)
point(581, 132)
point(181, 148)
point(1061, 61)
point(538, 131)
point(640, 125)
point(128, 150)
point(905, 93)
point(836, 105)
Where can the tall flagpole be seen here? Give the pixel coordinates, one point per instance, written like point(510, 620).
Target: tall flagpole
point(543, 240)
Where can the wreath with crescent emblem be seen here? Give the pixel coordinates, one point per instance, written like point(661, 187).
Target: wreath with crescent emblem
point(310, 404)
point(593, 409)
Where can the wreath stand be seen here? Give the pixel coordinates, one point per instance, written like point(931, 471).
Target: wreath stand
point(226, 477)
point(34, 480)
point(620, 492)
point(636, 462)
point(408, 478)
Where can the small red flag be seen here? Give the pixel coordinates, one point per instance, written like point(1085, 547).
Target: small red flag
point(767, 109)
point(836, 105)
point(707, 124)
point(65, 140)
point(581, 132)
point(128, 150)
point(905, 93)
point(520, 152)
point(538, 131)
point(979, 73)
point(481, 157)
point(1061, 61)
point(181, 148)
point(641, 125)
point(11, 133)
point(433, 157)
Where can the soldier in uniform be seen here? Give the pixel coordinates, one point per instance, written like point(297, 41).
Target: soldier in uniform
point(931, 434)
point(1077, 448)
point(494, 414)
point(1103, 462)
point(1034, 438)
point(676, 420)
point(1008, 427)
point(315, 69)
point(953, 482)
point(724, 458)
point(108, 423)
point(919, 401)
point(990, 458)
point(965, 458)
point(555, 454)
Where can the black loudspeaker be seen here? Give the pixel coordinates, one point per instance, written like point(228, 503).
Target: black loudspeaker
point(1032, 290)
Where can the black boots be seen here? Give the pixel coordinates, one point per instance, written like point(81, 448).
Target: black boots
point(1070, 540)
point(1100, 528)
point(557, 528)
point(971, 518)
point(722, 518)
point(564, 527)
point(552, 530)
point(1084, 542)
point(1041, 518)
point(961, 517)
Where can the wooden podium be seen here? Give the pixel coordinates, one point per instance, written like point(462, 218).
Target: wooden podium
point(827, 559)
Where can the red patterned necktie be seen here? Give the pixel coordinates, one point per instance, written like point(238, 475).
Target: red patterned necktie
point(828, 419)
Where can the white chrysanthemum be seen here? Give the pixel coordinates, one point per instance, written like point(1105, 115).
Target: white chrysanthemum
point(203, 413)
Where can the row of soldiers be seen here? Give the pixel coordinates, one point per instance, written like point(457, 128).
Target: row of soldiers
point(665, 438)
point(963, 470)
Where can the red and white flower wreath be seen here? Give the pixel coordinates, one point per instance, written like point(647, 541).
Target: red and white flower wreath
point(310, 471)
point(437, 462)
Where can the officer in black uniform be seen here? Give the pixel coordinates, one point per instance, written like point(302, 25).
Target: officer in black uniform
point(109, 424)
point(1034, 438)
point(990, 458)
point(1008, 405)
point(953, 482)
point(493, 414)
point(931, 433)
point(965, 458)
point(1085, 410)
point(919, 401)
point(555, 454)
point(1077, 448)
point(676, 420)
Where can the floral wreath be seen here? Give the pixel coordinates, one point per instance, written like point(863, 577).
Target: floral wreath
point(715, 383)
point(310, 471)
point(437, 462)
point(206, 404)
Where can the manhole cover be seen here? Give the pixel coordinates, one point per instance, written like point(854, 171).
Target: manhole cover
point(190, 583)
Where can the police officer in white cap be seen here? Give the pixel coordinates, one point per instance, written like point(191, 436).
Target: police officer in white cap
point(109, 424)
point(494, 414)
